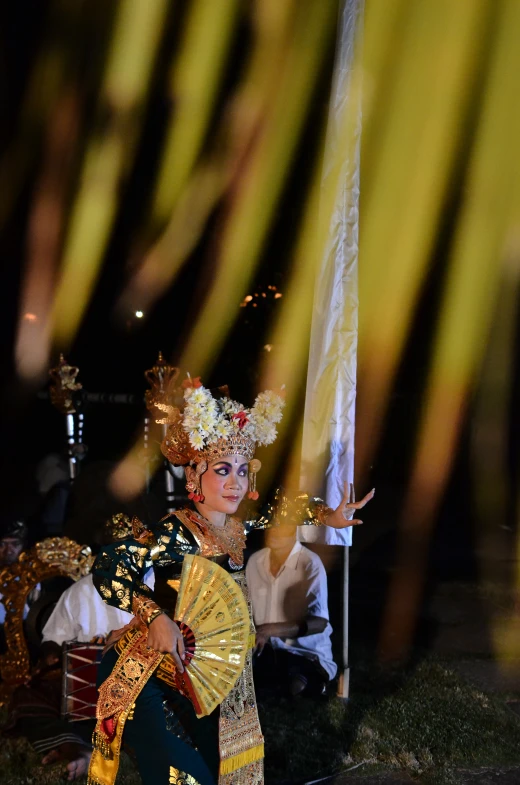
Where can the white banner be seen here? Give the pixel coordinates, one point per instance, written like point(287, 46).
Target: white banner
point(328, 431)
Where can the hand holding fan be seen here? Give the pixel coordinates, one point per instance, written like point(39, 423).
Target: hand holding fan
point(212, 614)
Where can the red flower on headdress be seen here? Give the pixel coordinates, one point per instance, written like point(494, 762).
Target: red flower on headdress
point(189, 383)
point(241, 418)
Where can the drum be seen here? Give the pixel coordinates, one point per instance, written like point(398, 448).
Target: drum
point(79, 691)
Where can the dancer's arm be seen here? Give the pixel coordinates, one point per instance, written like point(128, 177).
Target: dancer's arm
point(305, 510)
point(120, 567)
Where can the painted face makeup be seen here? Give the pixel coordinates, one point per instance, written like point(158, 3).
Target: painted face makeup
point(224, 483)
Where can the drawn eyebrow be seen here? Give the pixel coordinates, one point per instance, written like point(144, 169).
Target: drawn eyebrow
point(226, 463)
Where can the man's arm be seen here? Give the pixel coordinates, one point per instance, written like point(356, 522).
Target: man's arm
point(312, 625)
point(50, 656)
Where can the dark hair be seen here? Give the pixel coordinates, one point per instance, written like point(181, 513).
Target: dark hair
point(13, 528)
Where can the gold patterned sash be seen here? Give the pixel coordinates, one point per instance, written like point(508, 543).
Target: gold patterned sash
point(117, 696)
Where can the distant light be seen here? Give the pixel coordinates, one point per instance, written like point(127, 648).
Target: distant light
point(30, 317)
point(264, 294)
point(268, 347)
point(278, 295)
point(248, 298)
point(139, 314)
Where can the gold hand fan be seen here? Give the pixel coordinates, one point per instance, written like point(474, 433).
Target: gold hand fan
point(212, 614)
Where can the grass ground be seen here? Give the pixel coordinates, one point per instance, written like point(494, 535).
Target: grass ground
point(423, 720)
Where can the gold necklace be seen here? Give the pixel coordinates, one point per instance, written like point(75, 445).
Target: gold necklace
point(215, 540)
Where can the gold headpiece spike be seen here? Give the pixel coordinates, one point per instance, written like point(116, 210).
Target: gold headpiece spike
point(172, 412)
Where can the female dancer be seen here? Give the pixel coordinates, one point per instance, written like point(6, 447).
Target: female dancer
point(214, 439)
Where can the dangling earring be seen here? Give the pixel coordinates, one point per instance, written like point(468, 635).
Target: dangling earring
point(194, 486)
point(191, 488)
point(195, 491)
point(199, 471)
point(254, 467)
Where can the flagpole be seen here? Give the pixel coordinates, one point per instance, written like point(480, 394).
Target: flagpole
point(329, 417)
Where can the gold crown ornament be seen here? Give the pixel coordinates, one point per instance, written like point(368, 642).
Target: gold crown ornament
point(211, 427)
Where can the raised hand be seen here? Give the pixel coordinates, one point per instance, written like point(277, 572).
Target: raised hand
point(343, 515)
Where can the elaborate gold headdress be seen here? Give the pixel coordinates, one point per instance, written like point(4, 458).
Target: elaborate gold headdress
point(210, 427)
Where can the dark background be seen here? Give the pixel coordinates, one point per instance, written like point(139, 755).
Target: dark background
point(113, 354)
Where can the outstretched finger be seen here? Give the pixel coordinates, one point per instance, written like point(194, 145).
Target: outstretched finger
point(352, 522)
point(364, 500)
point(346, 494)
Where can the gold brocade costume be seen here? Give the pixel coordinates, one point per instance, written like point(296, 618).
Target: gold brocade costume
point(118, 576)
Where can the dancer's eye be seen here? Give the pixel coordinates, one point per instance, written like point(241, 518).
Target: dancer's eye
point(242, 472)
point(222, 471)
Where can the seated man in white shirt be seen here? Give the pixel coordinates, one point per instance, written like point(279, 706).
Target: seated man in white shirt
point(81, 615)
point(288, 588)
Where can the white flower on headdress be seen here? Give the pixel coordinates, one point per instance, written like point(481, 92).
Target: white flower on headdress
point(268, 404)
point(196, 440)
point(266, 411)
point(207, 423)
point(265, 431)
point(206, 419)
point(195, 395)
point(231, 407)
point(223, 429)
point(189, 422)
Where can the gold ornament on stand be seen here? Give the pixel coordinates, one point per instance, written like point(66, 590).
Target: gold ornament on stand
point(161, 378)
point(63, 385)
